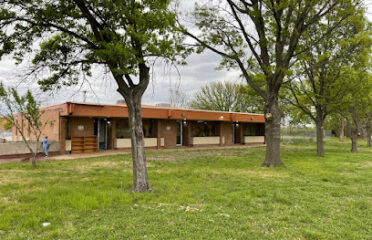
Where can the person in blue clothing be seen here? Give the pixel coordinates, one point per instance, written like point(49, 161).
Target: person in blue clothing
point(45, 145)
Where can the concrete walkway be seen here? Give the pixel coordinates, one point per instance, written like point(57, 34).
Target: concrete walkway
point(126, 151)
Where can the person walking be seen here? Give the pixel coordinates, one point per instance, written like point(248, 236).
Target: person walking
point(45, 145)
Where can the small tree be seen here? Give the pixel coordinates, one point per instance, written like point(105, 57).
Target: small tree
point(178, 98)
point(357, 111)
point(226, 96)
point(26, 109)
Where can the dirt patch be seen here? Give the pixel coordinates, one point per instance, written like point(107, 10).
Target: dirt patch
point(366, 165)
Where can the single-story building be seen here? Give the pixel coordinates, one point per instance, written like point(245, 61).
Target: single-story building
point(83, 127)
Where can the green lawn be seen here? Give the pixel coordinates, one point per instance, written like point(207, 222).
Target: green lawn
point(198, 194)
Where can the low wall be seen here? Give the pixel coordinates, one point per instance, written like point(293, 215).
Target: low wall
point(13, 148)
point(68, 145)
point(205, 140)
point(149, 142)
point(254, 139)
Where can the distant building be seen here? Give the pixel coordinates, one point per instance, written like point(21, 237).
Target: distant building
point(81, 127)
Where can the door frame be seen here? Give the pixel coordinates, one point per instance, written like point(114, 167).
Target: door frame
point(99, 120)
point(180, 124)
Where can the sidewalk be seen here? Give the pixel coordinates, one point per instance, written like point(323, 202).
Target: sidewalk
point(125, 151)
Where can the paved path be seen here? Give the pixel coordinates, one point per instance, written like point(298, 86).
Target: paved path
point(126, 151)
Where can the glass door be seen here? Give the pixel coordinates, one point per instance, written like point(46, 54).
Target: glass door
point(179, 133)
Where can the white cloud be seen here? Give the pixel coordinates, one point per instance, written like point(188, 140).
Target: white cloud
point(102, 88)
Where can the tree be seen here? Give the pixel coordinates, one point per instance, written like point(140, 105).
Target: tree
point(322, 80)
point(77, 36)
point(369, 127)
point(358, 112)
point(261, 37)
point(226, 96)
point(177, 98)
point(27, 109)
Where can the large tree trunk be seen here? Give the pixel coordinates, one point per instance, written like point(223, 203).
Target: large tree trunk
point(319, 138)
point(354, 129)
point(354, 139)
point(272, 132)
point(133, 98)
point(140, 181)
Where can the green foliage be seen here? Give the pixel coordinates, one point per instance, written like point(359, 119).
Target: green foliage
point(323, 83)
point(262, 38)
point(76, 36)
point(236, 200)
point(24, 114)
point(8, 125)
point(226, 96)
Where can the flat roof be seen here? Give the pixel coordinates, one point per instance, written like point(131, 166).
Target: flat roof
point(77, 109)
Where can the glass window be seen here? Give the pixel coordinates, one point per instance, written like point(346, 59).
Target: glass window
point(252, 129)
point(122, 128)
point(149, 128)
point(123, 131)
point(205, 129)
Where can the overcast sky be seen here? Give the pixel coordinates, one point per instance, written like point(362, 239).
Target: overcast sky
point(200, 70)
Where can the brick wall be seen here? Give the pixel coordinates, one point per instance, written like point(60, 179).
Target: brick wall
point(226, 132)
point(168, 131)
point(51, 129)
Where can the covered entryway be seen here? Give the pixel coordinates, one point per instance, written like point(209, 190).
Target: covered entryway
point(100, 130)
point(179, 133)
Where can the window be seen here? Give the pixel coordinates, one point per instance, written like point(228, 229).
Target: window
point(95, 127)
point(149, 128)
point(252, 129)
point(123, 131)
point(122, 128)
point(205, 129)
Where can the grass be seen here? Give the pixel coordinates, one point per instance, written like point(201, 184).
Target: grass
point(198, 194)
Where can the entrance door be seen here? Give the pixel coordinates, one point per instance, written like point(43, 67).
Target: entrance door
point(102, 134)
point(179, 133)
point(236, 133)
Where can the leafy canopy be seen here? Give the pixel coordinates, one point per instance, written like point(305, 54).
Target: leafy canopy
point(75, 36)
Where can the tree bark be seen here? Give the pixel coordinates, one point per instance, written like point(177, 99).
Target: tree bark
point(354, 139)
point(133, 99)
point(319, 138)
point(140, 180)
point(34, 154)
point(354, 129)
point(272, 132)
point(342, 130)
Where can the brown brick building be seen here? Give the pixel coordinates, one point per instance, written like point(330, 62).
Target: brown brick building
point(79, 127)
